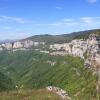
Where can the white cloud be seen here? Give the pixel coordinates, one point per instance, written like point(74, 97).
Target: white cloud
point(15, 19)
point(49, 24)
point(6, 27)
point(92, 1)
point(87, 20)
point(90, 20)
point(13, 35)
point(59, 8)
point(58, 24)
point(69, 22)
point(62, 25)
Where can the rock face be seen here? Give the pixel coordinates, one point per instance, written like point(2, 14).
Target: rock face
point(58, 91)
point(93, 50)
point(19, 45)
point(75, 47)
point(89, 49)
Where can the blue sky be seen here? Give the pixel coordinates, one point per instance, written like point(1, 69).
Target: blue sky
point(23, 18)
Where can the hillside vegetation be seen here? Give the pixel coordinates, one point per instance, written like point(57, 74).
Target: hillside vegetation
point(31, 69)
point(51, 39)
point(24, 75)
point(5, 82)
point(39, 94)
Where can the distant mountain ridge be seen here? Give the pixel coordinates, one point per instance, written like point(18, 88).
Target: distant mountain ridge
point(51, 39)
point(45, 39)
point(55, 38)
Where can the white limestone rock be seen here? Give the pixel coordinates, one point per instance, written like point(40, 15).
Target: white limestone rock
point(17, 45)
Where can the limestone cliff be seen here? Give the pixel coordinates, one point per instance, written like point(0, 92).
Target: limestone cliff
point(22, 45)
point(89, 49)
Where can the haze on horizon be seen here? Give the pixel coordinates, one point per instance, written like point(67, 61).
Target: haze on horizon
point(24, 18)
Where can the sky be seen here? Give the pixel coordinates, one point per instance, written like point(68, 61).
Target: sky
point(24, 18)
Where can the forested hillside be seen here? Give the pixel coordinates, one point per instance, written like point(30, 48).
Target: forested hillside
point(31, 69)
point(38, 70)
point(51, 39)
point(6, 83)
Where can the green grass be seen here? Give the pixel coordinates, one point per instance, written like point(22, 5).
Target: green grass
point(40, 94)
point(30, 69)
point(5, 82)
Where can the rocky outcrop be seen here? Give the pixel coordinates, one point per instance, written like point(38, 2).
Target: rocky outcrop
point(75, 47)
point(19, 45)
point(59, 91)
point(89, 49)
point(92, 54)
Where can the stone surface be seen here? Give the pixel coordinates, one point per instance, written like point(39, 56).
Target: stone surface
point(59, 92)
point(89, 49)
point(20, 45)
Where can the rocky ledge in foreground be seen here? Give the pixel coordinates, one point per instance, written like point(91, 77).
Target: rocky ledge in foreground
point(59, 92)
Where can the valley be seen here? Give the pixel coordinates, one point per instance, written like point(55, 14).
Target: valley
point(25, 74)
point(49, 49)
